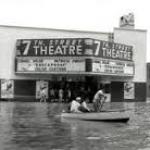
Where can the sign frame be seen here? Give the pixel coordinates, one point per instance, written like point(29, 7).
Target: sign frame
point(113, 67)
point(52, 65)
point(73, 47)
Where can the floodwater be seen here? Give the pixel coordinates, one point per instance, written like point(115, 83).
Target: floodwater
point(38, 126)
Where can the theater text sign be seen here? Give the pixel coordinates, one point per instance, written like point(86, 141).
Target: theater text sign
point(73, 47)
point(113, 67)
point(50, 65)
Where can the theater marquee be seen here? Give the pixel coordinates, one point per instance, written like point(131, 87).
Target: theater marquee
point(73, 56)
point(82, 47)
point(50, 65)
point(113, 67)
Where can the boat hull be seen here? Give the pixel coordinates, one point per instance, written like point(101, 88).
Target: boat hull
point(101, 116)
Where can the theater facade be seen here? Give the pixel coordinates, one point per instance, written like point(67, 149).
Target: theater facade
point(68, 62)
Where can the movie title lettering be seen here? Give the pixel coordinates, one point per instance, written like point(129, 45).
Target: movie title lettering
point(70, 47)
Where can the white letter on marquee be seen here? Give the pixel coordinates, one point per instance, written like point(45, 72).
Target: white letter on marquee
point(97, 48)
point(27, 42)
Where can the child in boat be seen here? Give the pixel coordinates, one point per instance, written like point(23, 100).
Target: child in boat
point(98, 100)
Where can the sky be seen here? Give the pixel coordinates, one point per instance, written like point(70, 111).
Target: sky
point(89, 15)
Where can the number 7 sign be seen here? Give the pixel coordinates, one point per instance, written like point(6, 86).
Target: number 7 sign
point(98, 43)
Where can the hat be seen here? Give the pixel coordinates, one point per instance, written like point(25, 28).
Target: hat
point(78, 98)
point(100, 92)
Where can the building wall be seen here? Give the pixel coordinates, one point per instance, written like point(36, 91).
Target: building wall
point(9, 35)
point(136, 38)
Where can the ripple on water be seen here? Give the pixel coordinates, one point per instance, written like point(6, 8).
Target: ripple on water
point(93, 138)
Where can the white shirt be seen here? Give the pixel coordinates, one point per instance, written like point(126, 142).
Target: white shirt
point(98, 95)
point(75, 106)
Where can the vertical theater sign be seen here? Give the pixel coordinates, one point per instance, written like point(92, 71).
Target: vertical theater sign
point(72, 56)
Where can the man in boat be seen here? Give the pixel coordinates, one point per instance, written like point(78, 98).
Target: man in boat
point(84, 107)
point(98, 100)
point(75, 105)
point(78, 106)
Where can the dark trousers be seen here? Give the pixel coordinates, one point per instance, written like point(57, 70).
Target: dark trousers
point(97, 106)
point(82, 109)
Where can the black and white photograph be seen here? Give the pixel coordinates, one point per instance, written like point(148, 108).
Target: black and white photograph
point(74, 75)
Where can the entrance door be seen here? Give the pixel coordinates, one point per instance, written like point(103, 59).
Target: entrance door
point(117, 91)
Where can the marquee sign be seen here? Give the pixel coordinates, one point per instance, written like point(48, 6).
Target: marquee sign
point(82, 47)
point(50, 65)
point(113, 67)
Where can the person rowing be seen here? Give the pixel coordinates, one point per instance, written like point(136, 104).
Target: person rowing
point(98, 100)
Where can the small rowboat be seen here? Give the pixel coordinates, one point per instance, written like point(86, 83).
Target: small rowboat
point(104, 116)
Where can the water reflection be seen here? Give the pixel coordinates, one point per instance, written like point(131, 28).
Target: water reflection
point(38, 126)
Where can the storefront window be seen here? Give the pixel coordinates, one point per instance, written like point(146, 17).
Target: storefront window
point(24, 88)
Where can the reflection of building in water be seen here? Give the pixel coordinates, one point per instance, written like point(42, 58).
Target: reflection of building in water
point(70, 60)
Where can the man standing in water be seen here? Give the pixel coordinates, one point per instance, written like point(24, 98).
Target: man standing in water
point(98, 100)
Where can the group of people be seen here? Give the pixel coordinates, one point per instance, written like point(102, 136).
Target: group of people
point(55, 95)
point(79, 105)
point(64, 94)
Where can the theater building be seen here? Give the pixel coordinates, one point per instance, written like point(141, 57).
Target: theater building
point(65, 63)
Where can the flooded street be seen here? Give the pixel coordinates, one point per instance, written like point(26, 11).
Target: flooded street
point(38, 126)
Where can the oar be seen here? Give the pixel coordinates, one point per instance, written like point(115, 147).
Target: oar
point(122, 110)
point(101, 104)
